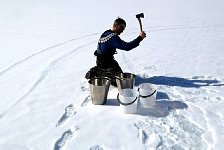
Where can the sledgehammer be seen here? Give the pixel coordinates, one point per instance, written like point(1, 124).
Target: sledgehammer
point(139, 16)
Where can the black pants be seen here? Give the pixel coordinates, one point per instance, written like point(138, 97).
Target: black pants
point(106, 63)
point(109, 67)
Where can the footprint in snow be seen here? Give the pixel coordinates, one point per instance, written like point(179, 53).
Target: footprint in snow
point(69, 112)
point(97, 147)
point(84, 88)
point(84, 85)
point(65, 138)
point(86, 101)
point(142, 135)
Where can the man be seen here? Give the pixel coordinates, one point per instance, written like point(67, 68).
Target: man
point(109, 41)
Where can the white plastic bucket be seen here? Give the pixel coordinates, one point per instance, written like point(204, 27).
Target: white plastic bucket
point(128, 100)
point(147, 94)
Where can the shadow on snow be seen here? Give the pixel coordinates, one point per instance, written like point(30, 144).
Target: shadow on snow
point(177, 81)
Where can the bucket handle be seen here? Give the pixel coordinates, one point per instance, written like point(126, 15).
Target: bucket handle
point(147, 95)
point(126, 104)
point(121, 78)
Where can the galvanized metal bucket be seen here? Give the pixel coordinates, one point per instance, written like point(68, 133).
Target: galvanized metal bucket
point(99, 88)
point(125, 80)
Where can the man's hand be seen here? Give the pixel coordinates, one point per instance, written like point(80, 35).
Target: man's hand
point(142, 34)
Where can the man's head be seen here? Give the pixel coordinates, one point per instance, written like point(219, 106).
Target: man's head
point(119, 25)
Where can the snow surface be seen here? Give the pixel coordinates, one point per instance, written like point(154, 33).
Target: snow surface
point(46, 47)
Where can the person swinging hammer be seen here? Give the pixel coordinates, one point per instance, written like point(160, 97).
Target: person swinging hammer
point(106, 65)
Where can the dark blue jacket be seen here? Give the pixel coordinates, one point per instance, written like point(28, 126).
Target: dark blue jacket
point(110, 41)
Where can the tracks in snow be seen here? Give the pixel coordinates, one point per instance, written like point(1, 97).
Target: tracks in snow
point(42, 51)
point(65, 138)
point(69, 112)
point(69, 134)
point(44, 72)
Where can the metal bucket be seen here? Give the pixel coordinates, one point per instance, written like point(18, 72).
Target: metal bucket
point(147, 94)
point(99, 88)
point(125, 80)
point(128, 100)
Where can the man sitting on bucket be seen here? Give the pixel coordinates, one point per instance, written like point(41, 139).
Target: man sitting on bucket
point(109, 41)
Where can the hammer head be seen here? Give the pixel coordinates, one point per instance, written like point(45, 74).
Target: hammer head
point(141, 15)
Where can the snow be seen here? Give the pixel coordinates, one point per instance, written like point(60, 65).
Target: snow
point(47, 47)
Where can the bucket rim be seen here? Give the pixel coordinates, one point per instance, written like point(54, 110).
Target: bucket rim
point(120, 78)
point(101, 78)
point(107, 78)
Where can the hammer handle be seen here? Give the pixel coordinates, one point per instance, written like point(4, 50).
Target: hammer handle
point(140, 24)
